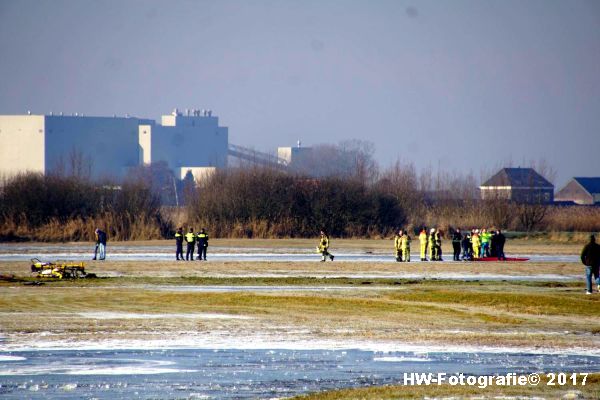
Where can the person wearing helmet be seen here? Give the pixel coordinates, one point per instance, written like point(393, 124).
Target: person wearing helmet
point(405, 246)
point(423, 243)
point(323, 247)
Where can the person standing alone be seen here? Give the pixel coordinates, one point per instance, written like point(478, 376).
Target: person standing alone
point(590, 257)
point(100, 244)
point(324, 247)
point(190, 239)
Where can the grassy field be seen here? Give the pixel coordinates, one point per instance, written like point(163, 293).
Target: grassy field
point(517, 314)
point(543, 391)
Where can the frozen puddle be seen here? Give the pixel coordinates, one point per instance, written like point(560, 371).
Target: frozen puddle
point(244, 374)
point(20, 252)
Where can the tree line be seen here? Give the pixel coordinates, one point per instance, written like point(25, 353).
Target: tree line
point(339, 188)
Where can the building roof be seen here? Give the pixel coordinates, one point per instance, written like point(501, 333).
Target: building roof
point(518, 177)
point(591, 185)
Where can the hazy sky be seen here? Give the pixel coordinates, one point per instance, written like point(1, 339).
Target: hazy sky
point(464, 85)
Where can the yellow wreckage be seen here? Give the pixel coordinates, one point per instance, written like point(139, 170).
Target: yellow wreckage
point(59, 270)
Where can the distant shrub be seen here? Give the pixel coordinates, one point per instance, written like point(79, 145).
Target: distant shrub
point(261, 202)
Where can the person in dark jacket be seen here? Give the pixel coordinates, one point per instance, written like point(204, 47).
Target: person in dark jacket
point(202, 238)
point(179, 244)
point(499, 241)
point(456, 239)
point(100, 244)
point(494, 244)
point(590, 257)
point(466, 248)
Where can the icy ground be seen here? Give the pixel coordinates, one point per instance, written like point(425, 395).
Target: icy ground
point(250, 373)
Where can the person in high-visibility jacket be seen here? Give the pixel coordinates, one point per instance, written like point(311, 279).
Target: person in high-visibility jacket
point(476, 243)
point(323, 247)
point(431, 244)
point(423, 243)
point(179, 244)
point(202, 237)
point(398, 245)
point(190, 239)
point(485, 238)
point(405, 247)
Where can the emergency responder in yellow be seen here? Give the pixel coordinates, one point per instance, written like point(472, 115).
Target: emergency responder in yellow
point(431, 244)
point(323, 247)
point(398, 246)
point(190, 239)
point(476, 243)
point(405, 246)
point(423, 243)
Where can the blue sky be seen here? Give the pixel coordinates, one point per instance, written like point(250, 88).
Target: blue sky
point(466, 86)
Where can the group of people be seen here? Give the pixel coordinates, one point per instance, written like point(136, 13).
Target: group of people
point(467, 247)
point(478, 243)
point(192, 240)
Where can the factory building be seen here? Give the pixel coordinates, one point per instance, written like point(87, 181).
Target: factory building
point(110, 146)
point(191, 143)
point(105, 146)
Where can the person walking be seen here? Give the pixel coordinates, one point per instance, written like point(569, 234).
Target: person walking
point(423, 243)
point(100, 249)
point(179, 244)
point(398, 245)
point(202, 244)
point(456, 239)
point(324, 247)
point(190, 239)
point(590, 257)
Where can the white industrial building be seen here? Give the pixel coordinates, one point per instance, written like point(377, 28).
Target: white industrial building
point(109, 146)
point(191, 143)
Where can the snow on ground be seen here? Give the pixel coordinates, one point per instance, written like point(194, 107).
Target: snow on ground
point(219, 340)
